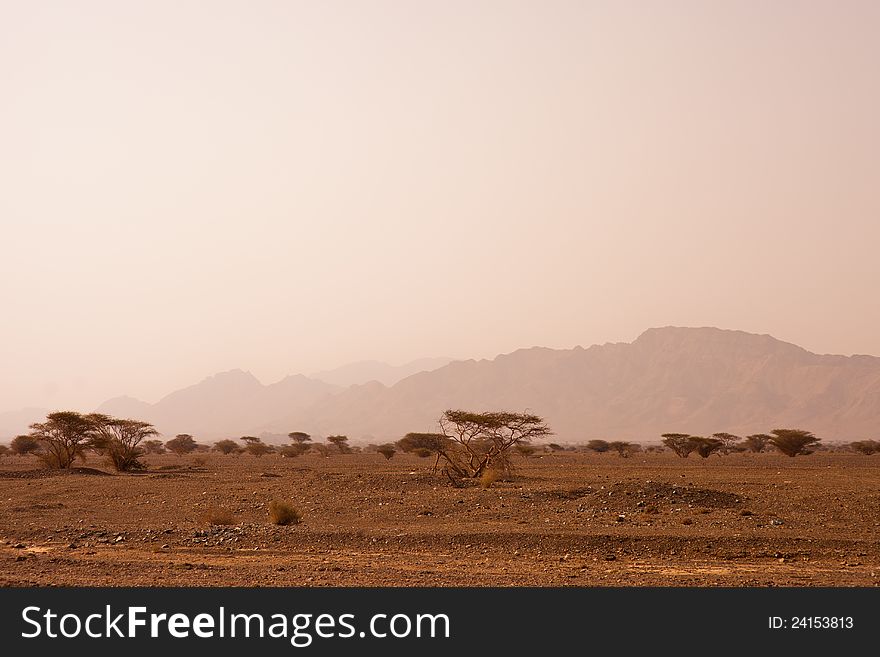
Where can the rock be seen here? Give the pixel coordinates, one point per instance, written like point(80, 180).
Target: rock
point(777, 522)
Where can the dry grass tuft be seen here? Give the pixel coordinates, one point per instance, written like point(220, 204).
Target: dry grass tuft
point(284, 513)
point(489, 477)
point(219, 517)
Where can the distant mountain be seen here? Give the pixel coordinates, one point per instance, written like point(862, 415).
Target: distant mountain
point(14, 423)
point(229, 404)
point(372, 370)
point(694, 380)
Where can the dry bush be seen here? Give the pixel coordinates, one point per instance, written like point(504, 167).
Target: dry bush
point(154, 447)
point(181, 444)
point(624, 449)
point(284, 513)
point(292, 451)
point(387, 451)
point(259, 448)
point(219, 517)
point(598, 446)
point(757, 442)
point(489, 477)
point(322, 449)
point(526, 450)
point(866, 447)
point(200, 461)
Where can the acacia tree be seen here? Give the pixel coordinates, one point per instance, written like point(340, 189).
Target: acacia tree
point(341, 443)
point(728, 441)
point(181, 444)
point(598, 446)
point(299, 437)
point(680, 443)
point(478, 440)
point(154, 447)
point(256, 447)
point(793, 442)
point(22, 445)
point(63, 437)
point(424, 445)
point(227, 447)
point(624, 449)
point(705, 447)
point(757, 442)
point(120, 440)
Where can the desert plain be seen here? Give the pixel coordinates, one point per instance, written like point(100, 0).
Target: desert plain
point(565, 519)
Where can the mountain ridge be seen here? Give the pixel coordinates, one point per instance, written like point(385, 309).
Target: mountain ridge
point(694, 380)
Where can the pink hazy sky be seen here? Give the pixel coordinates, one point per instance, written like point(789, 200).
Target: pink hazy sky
point(188, 187)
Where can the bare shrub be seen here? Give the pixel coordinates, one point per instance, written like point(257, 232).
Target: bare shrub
point(284, 513)
point(219, 517)
point(793, 442)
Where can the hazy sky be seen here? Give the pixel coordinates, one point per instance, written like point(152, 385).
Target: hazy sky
point(189, 187)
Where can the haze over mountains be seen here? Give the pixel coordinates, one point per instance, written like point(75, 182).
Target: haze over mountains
point(694, 380)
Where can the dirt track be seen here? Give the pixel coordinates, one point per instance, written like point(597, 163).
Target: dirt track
point(567, 519)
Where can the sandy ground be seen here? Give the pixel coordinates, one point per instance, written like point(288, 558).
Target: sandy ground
point(567, 519)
